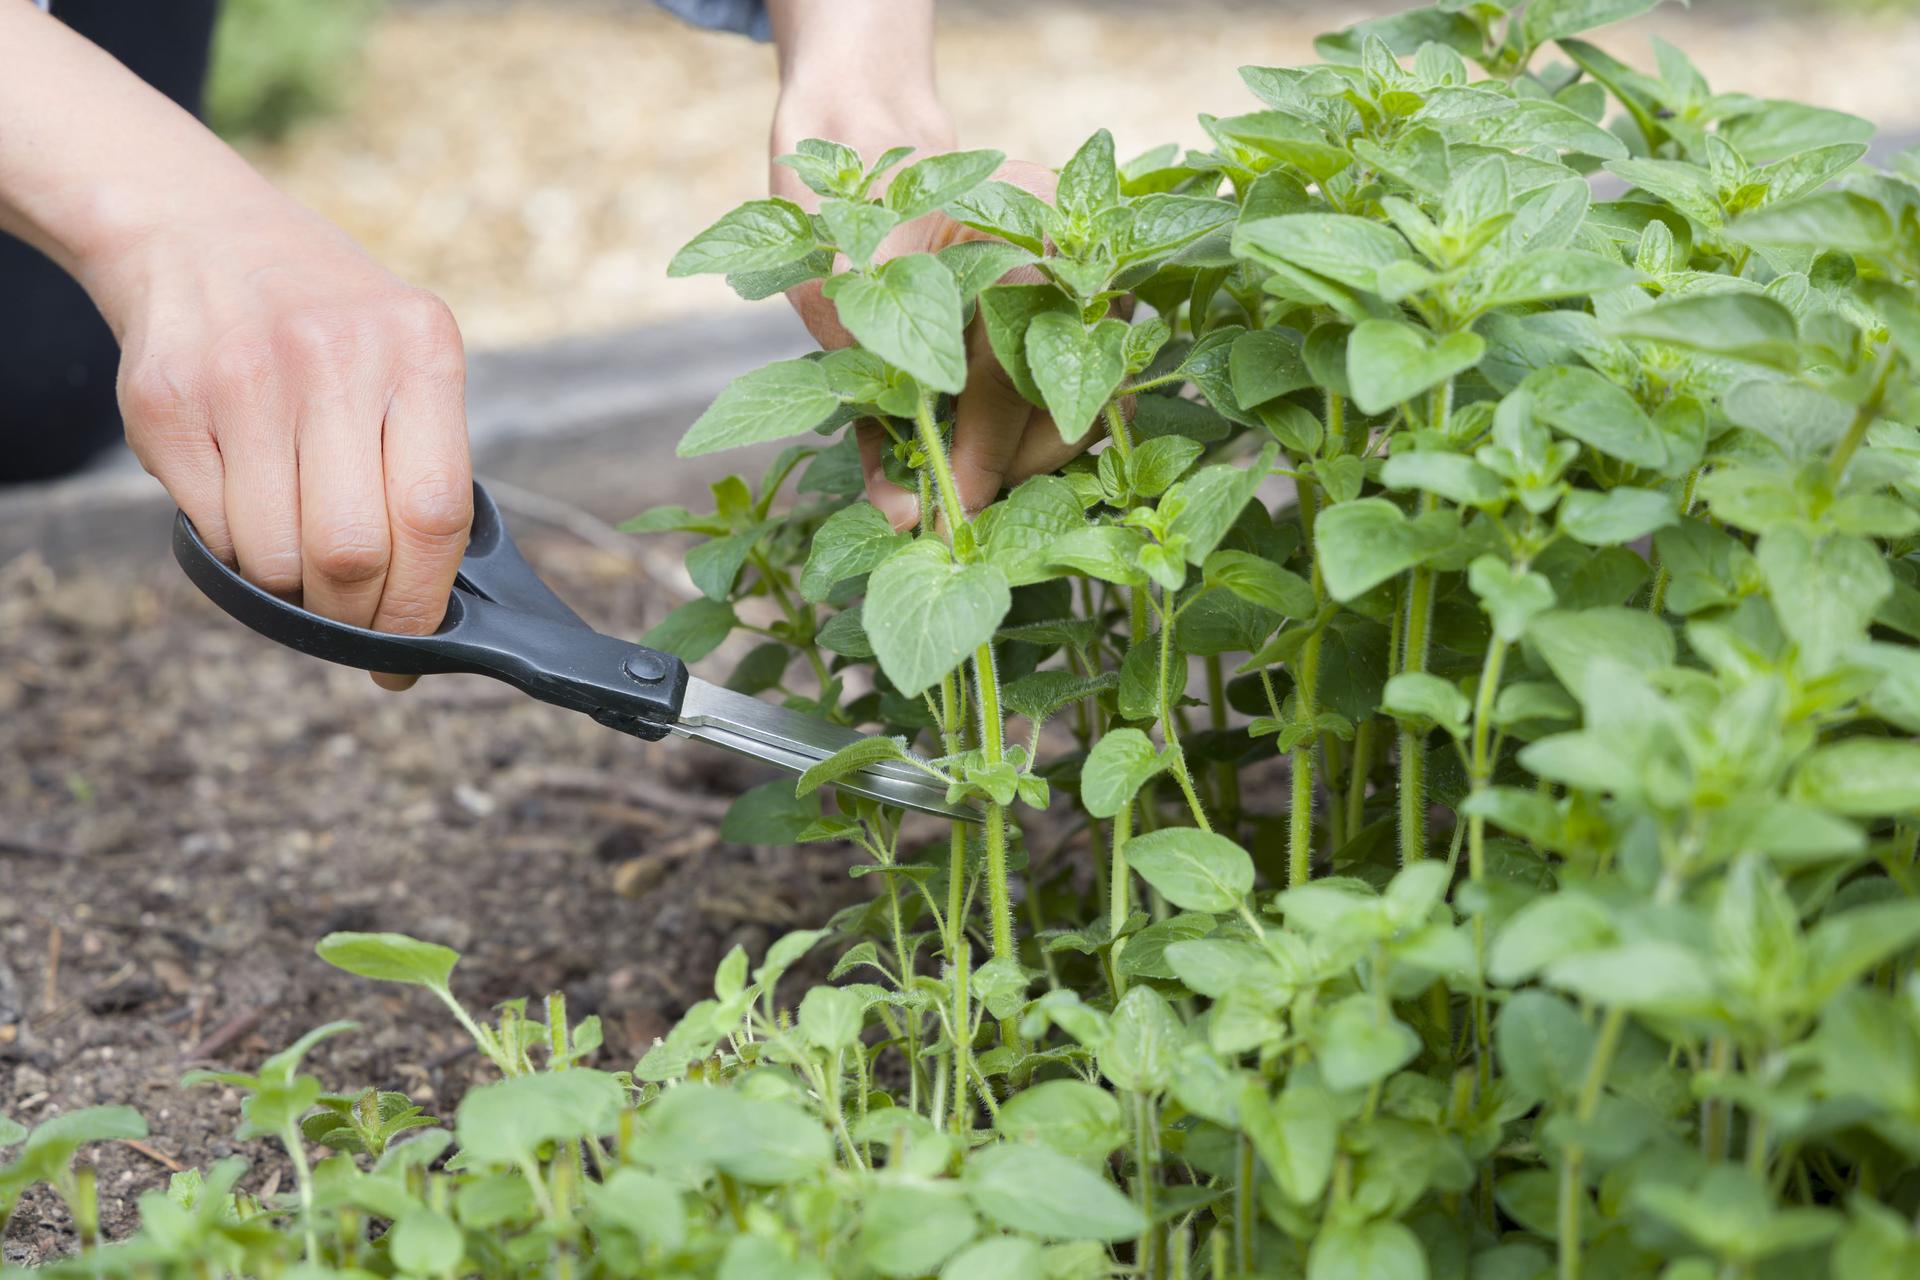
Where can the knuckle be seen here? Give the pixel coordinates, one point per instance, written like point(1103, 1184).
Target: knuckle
point(323, 336)
point(157, 390)
point(241, 365)
point(351, 551)
point(279, 574)
point(428, 336)
point(435, 508)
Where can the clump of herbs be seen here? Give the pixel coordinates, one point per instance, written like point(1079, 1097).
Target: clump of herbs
point(1472, 688)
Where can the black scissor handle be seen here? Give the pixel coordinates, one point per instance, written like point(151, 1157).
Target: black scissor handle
point(502, 621)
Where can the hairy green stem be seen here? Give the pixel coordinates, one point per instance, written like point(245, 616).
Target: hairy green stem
point(962, 1041)
point(1225, 773)
point(1413, 763)
point(1480, 767)
point(1572, 1184)
point(1117, 431)
point(936, 452)
point(1119, 893)
point(999, 898)
point(1181, 774)
point(1357, 776)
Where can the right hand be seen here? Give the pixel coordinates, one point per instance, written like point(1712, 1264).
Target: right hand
point(304, 408)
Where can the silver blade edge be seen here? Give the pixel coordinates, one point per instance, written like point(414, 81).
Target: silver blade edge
point(796, 742)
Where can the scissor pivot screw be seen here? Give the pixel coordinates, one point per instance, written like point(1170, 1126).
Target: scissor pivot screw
point(647, 666)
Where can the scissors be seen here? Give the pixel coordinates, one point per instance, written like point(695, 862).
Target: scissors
point(502, 621)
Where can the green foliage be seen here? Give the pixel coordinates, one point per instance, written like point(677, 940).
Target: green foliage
point(278, 62)
point(1475, 681)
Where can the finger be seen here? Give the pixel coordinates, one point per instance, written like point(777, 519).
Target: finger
point(1042, 451)
point(899, 506)
point(253, 423)
point(990, 418)
point(429, 480)
point(344, 544)
point(171, 433)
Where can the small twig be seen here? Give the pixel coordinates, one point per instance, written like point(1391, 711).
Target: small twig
point(160, 1158)
point(227, 1034)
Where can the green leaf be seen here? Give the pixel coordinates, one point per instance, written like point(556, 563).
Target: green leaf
point(925, 615)
point(1659, 978)
point(1548, 928)
point(907, 312)
point(1863, 777)
point(1844, 221)
point(693, 630)
point(1071, 1116)
point(1359, 1042)
point(1543, 1045)
point(852, 542)
point(1549, 274)
point(507, 1122)
point(10, 1132)
point(1826, 591)
point(1582, 404)
point(909, 1230)
point(1260, 582)
point(390, 957)
point(769, 814)
point(757, 236)
point(1616, 516)
point(1013, 213)
point(425, 1243)
point(1194, 870)
point(1512, 598)
point(1389, 362)
point(761, 1141)
point(1205, 505)
point(1144, 1036)
point(1416, 695)
point(851, 758)
point(1108, 552)
point(1043, 1193)
point(786, 398)
point(929, 184)
point(1343, 248)
point(1077, 369)
point(1019, 534)
point(1361, 544)
point(830, 1018)
point(1090, 182)
point(1008, 310)
point(1452, 476)
point(1001, 1258)
point(1157, 463)
point(857, 227)
point(978, 263)
point(714, 565)
point(1380, 1250)
point(1120, 764)
point(1295, 1134)
point(1740, 326)
point(1573, 641)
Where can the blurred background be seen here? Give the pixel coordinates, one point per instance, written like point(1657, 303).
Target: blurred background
point(537, 162)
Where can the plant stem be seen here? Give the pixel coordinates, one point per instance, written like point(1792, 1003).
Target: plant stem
point(296, 1146)
point(1306, 711)
point(1357, 776)
point(1481, 770)
point(1863, 419)
point(1180, 772)
point(1413, 763)
point(962, 1042)
point(999, 900)
point(1243, 1207)
point(936, 452)
point(1146, 1260)
point(1226, 775)
point(1119, 893)
point(1663, 579)
point(1572, 1187)
point(1117, 431)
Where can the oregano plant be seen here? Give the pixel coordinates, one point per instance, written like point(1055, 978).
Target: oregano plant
point(1445, 767)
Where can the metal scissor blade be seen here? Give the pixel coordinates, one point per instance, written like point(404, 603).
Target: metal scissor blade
point(797, 742)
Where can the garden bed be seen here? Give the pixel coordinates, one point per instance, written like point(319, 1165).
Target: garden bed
point(193, 807)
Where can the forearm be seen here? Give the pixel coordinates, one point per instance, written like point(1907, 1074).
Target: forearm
point(93, 161)
point(859, 72)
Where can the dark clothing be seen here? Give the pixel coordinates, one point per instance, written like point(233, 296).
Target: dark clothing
point(57, 357)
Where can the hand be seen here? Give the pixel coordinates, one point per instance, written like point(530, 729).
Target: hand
point(860, 72)
point(304, 408)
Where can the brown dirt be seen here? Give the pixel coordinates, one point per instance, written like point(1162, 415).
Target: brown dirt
point(186, 808)
point(538, 163)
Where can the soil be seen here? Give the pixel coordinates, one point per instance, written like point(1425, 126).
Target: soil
point(186, 808)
